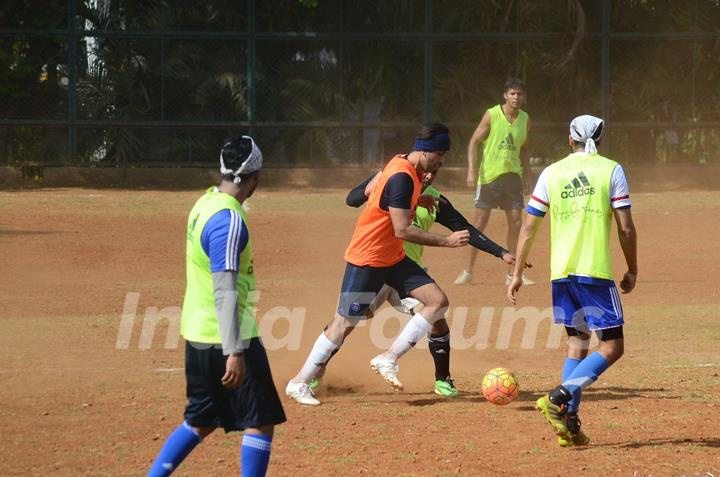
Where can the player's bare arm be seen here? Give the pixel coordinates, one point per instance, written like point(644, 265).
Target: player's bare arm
point(404, 230)
point(628, 242)
point(525, 160)
point(528, 230)
point(479, 135)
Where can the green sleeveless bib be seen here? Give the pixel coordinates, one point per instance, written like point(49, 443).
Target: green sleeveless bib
point(423, 220)
point(501, 149)
point(199, 318)
point(580, 213)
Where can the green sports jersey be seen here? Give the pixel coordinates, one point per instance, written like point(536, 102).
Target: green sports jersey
point(501, 149)
point(580, 213)
point(423, 220)
point(199, 318)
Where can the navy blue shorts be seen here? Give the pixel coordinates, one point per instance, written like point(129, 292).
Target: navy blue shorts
point(210, 404)
point(587, 307)
point(361, 284)
point(505, 192)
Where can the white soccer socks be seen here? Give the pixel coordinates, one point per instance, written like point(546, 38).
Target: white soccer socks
point(319, 355)
point(415, 330)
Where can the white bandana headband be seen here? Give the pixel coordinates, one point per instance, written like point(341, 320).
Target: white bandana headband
point(587, 129)
point(251, 164)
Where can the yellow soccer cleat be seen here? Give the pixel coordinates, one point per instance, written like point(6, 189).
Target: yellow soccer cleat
point(555, 416)
point(578, 437)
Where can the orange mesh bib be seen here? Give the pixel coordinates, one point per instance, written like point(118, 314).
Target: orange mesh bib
point(374, 242)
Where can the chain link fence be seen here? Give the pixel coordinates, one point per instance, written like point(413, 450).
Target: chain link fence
point(321, 83)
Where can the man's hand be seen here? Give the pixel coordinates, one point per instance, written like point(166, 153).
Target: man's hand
point(471, 181)
point(628, 282)
point(513, 288)
point(509, 258)
point(234, 371)
point(457, 239)
point(429, 202)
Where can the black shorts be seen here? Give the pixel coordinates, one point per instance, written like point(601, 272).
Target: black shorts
point(505, 192)
point(254, 404)
point(361, 284)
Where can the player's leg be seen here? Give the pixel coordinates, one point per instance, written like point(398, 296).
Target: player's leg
point(482, 216)
point(201, 413)
point(603, 313)
point(408, 277)
point(325, 347)
point(565, 309)
point(359, 288)
point(439, 347)
point(484, 202)
point(577, 350)
point(255, 451)
point(386, 293)
point(512, 202)
point(438, 341)
point(578, 344)
point(257, 410)
point(177, 447)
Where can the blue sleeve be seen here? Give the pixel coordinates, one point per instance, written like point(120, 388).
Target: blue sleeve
point(533, 211)
point(223, 240)
point(398, 192)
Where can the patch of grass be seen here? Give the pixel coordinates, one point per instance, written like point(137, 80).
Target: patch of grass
point(304, 445)
point(345, 460)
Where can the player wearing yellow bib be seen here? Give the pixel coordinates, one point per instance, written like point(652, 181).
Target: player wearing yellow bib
point(229, 383)
point(582, 192)
point(497, 181)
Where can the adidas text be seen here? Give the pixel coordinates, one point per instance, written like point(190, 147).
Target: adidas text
point(577, 192)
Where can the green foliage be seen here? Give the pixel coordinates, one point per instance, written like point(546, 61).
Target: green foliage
point(353, 78)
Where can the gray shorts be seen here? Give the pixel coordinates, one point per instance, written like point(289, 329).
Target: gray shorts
point(505, 192)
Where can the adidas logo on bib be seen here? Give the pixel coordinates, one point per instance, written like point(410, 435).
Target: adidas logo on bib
point(578, 187)
point(507, 143)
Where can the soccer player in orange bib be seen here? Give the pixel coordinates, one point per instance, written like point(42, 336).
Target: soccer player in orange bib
point(376, 256)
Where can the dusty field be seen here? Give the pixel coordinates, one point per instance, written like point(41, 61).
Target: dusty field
point(84, 392)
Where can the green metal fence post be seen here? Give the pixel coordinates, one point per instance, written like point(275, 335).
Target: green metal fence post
point(250, 67)
point(428, 45)
point(72, 80)
point(605, 69)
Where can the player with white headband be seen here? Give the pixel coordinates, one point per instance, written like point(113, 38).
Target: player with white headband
point(583, 192)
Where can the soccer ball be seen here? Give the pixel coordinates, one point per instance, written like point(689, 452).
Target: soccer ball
point(500, 386)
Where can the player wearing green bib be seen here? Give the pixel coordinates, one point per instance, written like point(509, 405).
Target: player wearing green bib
point(503, 132)
point(583, 192)
point(229, 383)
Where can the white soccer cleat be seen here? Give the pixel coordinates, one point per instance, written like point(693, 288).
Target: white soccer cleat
point(525, 280)
point(302, 393)
point(388, 369)
point(464, 278)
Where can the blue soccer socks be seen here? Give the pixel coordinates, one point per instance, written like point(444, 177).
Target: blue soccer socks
point(568, 367)
point(255, 454)
point(177, 446)
point(585, 373)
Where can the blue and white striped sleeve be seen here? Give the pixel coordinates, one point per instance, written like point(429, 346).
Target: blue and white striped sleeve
point(224, 238)
point(539, 200)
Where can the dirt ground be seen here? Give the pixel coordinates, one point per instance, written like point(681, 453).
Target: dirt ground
point(84, 392)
